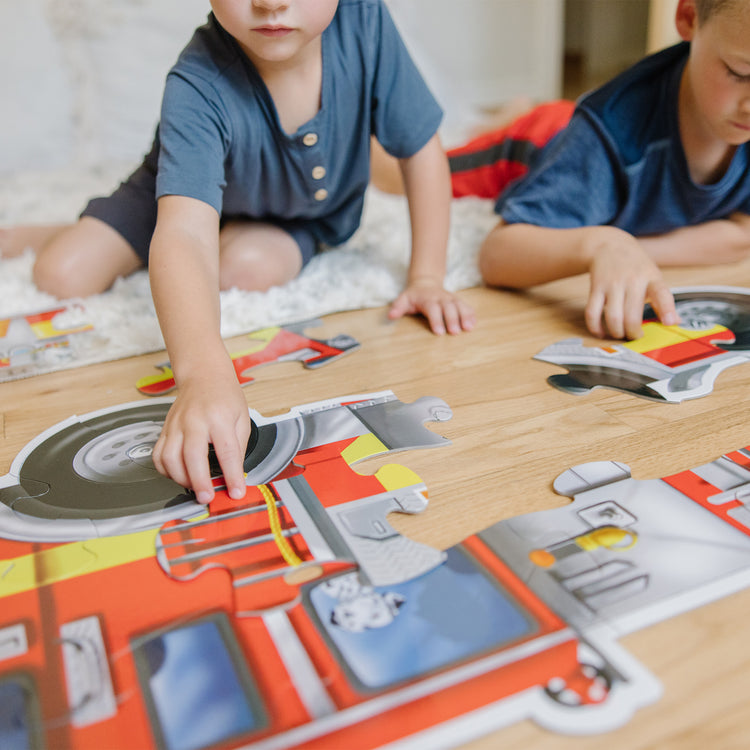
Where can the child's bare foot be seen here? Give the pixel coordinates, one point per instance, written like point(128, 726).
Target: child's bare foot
point(14, 240)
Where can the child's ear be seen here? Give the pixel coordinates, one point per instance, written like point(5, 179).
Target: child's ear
point(686, 19)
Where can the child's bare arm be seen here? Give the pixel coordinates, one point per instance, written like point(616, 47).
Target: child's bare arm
point(623, 274)
point(524, 255)
point(719, 241)
point(428, 191)
point(210, 406)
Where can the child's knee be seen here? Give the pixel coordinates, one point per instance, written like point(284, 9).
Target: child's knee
point(253, 272)
point(54, 275)
point(258, 260)
point(81, 261)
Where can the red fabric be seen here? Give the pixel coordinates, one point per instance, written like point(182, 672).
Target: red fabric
point(536, 127)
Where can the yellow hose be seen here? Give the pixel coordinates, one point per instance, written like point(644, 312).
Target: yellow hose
point(273, 517)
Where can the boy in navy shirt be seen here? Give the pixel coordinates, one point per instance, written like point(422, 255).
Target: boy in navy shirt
point(651, 171)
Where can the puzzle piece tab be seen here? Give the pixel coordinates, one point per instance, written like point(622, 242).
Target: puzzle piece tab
point(275, 344)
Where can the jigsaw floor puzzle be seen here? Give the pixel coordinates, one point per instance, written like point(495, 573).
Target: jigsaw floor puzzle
point(668, 363)
point(132, 617)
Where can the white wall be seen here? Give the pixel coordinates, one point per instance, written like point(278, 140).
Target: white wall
point(661, 24)
point(81, 80)
point(481, 53)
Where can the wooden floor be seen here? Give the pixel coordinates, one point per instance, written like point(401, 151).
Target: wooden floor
point(511, 434)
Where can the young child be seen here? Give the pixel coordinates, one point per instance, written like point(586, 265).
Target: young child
point(261, 156)
point(651, 171)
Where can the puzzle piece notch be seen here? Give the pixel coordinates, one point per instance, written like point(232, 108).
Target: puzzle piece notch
point(384, 556)
point(237, 544)
point(275, 344)
point(45, 567)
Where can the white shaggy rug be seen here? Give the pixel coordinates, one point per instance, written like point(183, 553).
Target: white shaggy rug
point(368, 271)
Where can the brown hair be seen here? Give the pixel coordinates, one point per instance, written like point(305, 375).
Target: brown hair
point(708, 8)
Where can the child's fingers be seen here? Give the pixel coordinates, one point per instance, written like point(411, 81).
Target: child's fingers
point(399, 307)
point(614, 313)
point(195, 457)
point(633, 312)
point(662, 300)
point(235, 481)
point(229, 443)
point(593, 313)
point(467, 315)
point(452, 317)
point(458, 316)
point(167, 458)
point(230, 459)
point(433, 311)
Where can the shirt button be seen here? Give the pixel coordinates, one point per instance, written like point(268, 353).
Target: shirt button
point(318, 173)
point(310, 139)
point(321, 195)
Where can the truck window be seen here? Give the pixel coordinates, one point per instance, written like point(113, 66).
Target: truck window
point(18, 715)
point(198, 691)
point(384, 635)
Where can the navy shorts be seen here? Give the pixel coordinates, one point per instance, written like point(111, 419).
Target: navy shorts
point(131, 211)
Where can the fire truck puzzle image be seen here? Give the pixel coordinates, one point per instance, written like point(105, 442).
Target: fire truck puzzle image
point(269, 345)
point(133, 617)
point(37, 342)
point(668, 363)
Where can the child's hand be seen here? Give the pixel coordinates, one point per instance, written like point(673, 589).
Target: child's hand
point(208, 409)
point(443, 310)
point(623, 279)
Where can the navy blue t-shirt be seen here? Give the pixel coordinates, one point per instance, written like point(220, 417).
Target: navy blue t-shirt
point(620, 162)
point(220, 139)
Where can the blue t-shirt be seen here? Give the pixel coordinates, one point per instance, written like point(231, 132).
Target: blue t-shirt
point(620, 162)
point(220, 139)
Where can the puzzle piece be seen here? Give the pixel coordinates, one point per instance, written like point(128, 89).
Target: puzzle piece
point(668, 363)
point(629, 552)
point(36, 342)
point(275, 344)
point(91, 463)
point(91, 477)
point(299, 617)
point(310, 510)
